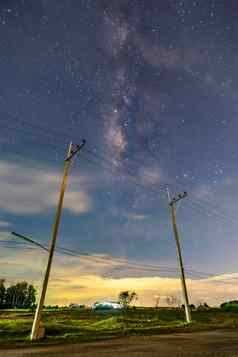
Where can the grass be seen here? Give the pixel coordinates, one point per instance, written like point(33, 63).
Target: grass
point(85, 325)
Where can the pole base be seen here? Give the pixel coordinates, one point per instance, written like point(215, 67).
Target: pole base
point(40, 334)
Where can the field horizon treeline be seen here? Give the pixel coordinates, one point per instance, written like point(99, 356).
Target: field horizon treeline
point(22, 295)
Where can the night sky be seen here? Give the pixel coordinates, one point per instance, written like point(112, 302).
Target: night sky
point(153, 88)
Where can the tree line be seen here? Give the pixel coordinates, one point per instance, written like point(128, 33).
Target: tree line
point(21, 295)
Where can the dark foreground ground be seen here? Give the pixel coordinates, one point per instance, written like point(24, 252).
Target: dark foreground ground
point(213, 343)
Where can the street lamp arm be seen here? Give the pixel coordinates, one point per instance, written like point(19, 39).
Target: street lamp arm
point(29, 240)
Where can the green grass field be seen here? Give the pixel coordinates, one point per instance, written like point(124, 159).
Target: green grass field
point(86, 325)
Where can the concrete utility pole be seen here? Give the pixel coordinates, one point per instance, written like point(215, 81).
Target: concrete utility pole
point(179, 254)
point(36, 333)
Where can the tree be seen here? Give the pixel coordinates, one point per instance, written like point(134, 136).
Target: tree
point(125, 298)
point(172, 300)
point(10, 297)
point(2, 293)
point(203, 306)
point(157, 300)
point(20, 296)
point(30, 298)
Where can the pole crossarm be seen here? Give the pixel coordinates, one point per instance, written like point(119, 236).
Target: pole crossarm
point(75, 151)
point(179, 197)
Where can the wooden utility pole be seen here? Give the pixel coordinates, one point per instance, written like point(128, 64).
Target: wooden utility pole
point(179, 253)
point(36, 333)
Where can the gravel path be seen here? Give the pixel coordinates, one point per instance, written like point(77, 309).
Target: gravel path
point(207, 344)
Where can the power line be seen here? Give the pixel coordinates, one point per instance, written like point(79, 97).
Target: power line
point(58, 136)
point(110, 260)
point(209, 205)
point(204, 206)
point(208, 213)
point(213, 212)
point(55, 134)
point(221, 215)
point(109, 165)
point(34, 136)
point(204, 277)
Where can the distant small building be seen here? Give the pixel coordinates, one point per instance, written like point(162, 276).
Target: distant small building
point(106, 305)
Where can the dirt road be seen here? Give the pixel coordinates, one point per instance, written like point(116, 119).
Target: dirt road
point(214, 344)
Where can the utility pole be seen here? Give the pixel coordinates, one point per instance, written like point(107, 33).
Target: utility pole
point(36, 333)
point(172, 204)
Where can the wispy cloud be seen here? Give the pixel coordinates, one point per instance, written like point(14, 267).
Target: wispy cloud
point(4, 224)
point(150, 175)
point(30, 190)
point(171, 58)
point(137, 217)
